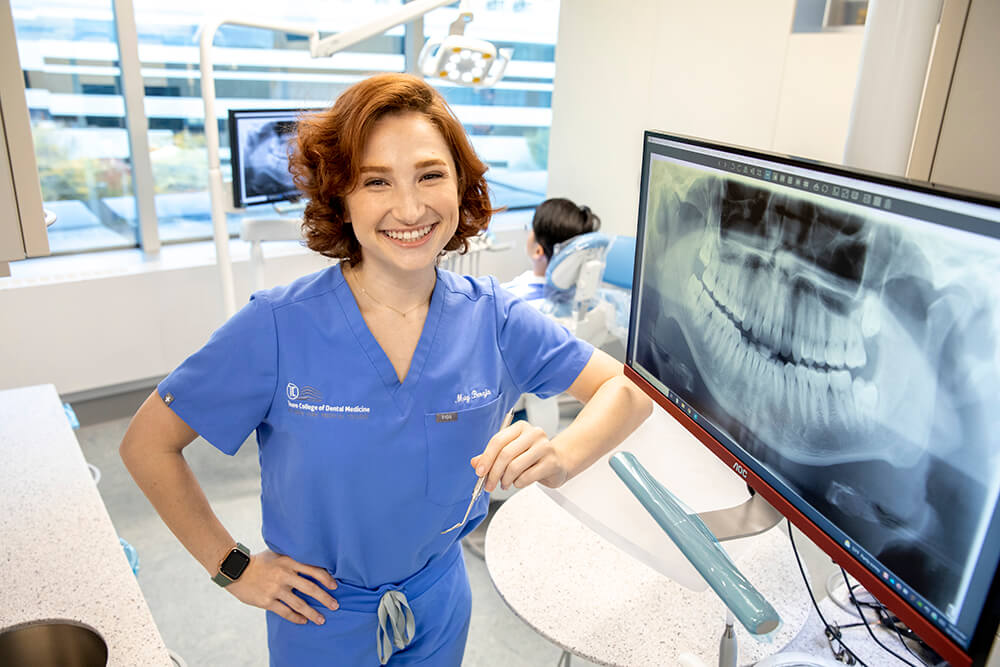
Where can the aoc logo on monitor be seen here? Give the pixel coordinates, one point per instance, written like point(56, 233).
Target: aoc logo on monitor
point(740, 470)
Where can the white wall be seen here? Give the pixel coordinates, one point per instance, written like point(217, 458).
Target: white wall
point(817, 90)
point(96, 327)
point(725, 70)
point(103, 322)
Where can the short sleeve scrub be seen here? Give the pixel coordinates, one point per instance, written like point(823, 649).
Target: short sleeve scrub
point(360, 473)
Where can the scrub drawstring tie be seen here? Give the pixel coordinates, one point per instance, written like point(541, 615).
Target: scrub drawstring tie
point(394, 607)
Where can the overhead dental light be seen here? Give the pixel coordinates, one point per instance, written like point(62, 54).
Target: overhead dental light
point(460, 59)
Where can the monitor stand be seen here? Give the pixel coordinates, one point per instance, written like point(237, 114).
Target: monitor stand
point(752, 517)
point(284, 208)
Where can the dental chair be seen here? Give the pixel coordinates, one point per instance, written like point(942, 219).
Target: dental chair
point(588, 290)
point(572, 281)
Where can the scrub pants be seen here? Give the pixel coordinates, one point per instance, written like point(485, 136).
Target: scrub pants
point(438, 595)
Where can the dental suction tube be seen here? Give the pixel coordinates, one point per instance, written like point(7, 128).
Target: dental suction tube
point(699, 546)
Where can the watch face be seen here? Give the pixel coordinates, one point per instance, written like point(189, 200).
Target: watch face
point(234, 564)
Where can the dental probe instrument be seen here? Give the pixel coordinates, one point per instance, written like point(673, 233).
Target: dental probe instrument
point(478, 490)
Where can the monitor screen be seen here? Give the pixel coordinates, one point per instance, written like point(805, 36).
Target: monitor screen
point(834, 336)
point(259, 141)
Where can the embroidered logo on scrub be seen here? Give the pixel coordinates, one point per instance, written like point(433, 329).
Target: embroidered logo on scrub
point(307, 393)
point(308, 401)
point(474, 395)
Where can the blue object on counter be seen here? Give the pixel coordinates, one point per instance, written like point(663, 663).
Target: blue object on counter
point(699, 545)
point(131, 554)
point(71, 416)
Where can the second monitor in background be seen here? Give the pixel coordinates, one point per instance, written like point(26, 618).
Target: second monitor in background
point(259, 139)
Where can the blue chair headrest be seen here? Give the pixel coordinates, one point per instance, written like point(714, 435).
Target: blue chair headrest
point(620, 262)
point(571, 255)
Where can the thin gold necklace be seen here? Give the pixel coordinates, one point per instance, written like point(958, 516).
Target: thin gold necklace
point(402, 313)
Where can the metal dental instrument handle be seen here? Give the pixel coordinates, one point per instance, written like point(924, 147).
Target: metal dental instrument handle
point(480, 483)
point(699, 545)
point(478, 491)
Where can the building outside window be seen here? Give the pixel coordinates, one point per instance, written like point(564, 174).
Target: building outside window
point(69, 53)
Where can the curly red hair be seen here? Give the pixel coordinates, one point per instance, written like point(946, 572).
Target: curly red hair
point(325, 160)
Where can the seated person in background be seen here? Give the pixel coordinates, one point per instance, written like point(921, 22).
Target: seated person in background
point(556, 221)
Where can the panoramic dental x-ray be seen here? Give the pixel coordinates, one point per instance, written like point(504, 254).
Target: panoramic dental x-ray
point(852, 353)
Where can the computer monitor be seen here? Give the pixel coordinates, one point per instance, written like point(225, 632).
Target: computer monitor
point(259, 141)
point(834, 337)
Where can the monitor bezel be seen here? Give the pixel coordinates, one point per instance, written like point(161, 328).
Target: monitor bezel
point(236, 156)
point(986, 628)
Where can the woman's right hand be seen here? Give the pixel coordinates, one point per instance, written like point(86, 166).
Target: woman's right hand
point(270, 582)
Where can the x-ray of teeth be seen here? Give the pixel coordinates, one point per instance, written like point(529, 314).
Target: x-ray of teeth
point(265, 145)
point(854, 355)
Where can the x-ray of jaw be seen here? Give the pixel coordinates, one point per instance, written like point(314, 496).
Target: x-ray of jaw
point(855, 356)
point(266, 149)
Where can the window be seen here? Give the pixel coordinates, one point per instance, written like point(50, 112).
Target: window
point(69, 55)
point(254, 68)
point(829, 15)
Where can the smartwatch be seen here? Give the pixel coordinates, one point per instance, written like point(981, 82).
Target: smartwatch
point(233, 565)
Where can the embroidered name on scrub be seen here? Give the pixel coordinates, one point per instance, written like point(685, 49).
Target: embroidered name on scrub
point(473, 395)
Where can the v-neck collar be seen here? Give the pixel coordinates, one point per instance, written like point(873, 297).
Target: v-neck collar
point(401, 392)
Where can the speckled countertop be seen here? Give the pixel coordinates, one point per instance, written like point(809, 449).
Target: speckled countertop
point(59, 553)
point(587, 596)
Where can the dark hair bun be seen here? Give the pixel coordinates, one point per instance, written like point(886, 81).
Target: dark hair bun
point(591, 222)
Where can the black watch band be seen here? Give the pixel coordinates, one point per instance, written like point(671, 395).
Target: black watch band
point(233, 566)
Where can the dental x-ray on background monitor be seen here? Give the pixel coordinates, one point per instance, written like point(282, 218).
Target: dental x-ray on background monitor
point(259, 142)
point(834, 337)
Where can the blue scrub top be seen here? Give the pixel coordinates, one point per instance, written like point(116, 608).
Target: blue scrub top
point(360, 473)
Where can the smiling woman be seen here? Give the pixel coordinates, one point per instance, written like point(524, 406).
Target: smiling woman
point(329, 159)
point(404, 210)
point(396, 379)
